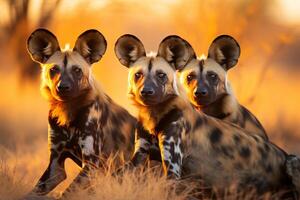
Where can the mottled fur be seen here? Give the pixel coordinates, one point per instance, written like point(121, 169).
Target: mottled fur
point(85, 125)
point(206, 84)
point(190, 142)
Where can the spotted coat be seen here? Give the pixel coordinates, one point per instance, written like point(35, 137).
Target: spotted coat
point(84, 124)
point(191, 143)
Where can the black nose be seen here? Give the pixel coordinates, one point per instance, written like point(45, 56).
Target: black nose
point(147, 91)
point(63, 87)
point(201, 92)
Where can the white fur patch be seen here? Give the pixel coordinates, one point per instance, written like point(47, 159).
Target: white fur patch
point(140, 143)
point(91, 78)
point(176, 168)
point(85, 49)
point(151, 54)
point(219, 55)
point(202, 57)
point(175, 84)
point(133, 54)
point(169, 54)
point(226, 83)
point(67, 47)
point(87, 145)
point(93, 114)
point(47, 50)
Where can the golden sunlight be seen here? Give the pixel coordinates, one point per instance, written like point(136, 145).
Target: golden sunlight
point(286, 11)
point(67, 47)
point(266, 79)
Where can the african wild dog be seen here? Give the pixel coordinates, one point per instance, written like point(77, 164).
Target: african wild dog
point(207, 87)
point(190, 142)
point(205, 82)
point(85, 125)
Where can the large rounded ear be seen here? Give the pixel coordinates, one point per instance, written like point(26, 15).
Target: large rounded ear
point(225, 50)
point(177, 51)
point(42, 44)
point(91, 45)
point(129, 49)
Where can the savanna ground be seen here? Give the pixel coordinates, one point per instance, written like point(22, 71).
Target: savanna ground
point(266, 79)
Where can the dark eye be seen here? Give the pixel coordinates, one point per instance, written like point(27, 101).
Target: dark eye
point(161, 75)
point(54, 70)
point(138, 75)
point(77, 70)
point(213, 77)
point(190, 77)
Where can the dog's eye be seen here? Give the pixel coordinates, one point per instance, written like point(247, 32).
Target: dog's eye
point(190, 77)
point(138, 75)
point(77, 70)
point(213, 76)
point(161, 75)
point(54, 70)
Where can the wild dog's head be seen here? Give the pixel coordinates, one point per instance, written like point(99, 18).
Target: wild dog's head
point(66, 74)
point(152, 79)
point(205, 80)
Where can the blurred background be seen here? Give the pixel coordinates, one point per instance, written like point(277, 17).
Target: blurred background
point(266, 79)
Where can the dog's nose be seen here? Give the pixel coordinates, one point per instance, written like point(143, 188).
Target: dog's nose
point(147, 91)
point(63, 87)
point(202, 92)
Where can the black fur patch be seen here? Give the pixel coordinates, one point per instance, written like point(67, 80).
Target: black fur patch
point(255, 182)
point(227, 151)
point(175, 156)
point(154, 154)
point(199, 122)
point(236, 139)
point(263, 153)
point(201, 64)
point(245, 152)
point(168, 118)
point(223, 115)
point(65, 61)
point(215, 136)
point(188, 127)
point(238, 166)
point(150, 64)
point(269, 168)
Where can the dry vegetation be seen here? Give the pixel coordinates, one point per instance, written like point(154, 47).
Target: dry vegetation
point(266, 80)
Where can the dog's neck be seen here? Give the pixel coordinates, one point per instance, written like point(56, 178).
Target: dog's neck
point(150, 116)
point(66, 111)
point(222, 107)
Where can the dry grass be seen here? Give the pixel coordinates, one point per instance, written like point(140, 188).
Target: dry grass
point(133, 185)
point(24, 154)
point(264, 81)
point(146, 184)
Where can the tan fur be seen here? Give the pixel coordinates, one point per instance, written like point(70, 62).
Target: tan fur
point(152, 118)
point(228, 104)
point(192, 143)
point(201, 156)
point(65, 111)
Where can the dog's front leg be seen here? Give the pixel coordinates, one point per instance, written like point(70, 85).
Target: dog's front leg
point(171, 149)
point(90, 145)
point(85, 176)
point(53, 175)
point(142, 145)
point(55, 172)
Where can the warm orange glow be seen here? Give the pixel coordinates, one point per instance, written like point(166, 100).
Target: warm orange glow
point(266, 79)
point(67, 47)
